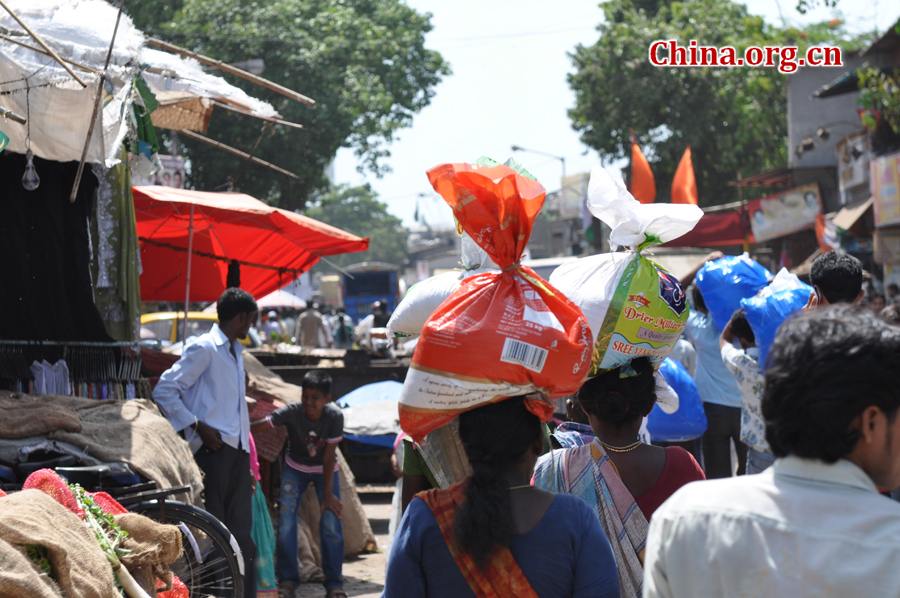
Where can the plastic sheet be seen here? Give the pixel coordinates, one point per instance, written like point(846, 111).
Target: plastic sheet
point(689, 421)
point(445, 455)
point(501, 334)
point(725, 281)
point(766, 312)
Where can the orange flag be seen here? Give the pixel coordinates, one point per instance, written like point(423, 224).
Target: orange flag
point(643, 187)
point(684, 185)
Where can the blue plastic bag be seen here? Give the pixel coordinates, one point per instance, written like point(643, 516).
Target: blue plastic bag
point(689, 421)
point(725, 281)
point(766, 314)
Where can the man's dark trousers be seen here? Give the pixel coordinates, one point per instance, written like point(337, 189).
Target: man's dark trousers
point(229, 494)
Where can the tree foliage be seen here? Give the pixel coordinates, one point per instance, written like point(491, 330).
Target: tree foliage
point(734, 119)
point(363, 61)
point(358, 211)
point(881, 92)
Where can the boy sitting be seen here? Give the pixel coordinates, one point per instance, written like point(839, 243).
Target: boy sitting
point(314, 427)
point(744, 364)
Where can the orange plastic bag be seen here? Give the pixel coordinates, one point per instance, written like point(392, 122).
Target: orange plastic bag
point(501, 334)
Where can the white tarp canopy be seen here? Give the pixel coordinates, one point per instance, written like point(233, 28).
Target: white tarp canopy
point(35, 86)
point(175, 73)
point(58, 108)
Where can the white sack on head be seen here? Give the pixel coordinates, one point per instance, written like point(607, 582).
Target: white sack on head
point(633, 306)
point(425, 297)
point(632, 222)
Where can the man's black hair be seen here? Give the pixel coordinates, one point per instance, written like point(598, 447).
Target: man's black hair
point(233, 302)
point(697, 298)
point(824, 369)
point(740, 327)
point(838, 275)
point(317, 380)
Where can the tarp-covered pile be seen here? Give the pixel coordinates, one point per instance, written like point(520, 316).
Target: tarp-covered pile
point(132, 432)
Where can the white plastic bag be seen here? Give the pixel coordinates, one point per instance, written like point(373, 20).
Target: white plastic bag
point(635, 224)
point(425, 297)
point(633, 306)
point(783, 281)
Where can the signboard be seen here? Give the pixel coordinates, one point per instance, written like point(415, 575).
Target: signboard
point(885, 180)
point(170, 173)
point(784, 213)
point(852, 158)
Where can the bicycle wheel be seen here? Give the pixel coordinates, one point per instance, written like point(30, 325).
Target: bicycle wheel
point(211, 564)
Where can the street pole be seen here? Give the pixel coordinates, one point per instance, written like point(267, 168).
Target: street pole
point(519, 148)
point(743, 207)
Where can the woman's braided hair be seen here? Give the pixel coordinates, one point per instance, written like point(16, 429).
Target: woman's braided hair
point(495, 437)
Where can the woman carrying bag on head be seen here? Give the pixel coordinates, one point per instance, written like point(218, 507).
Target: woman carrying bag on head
point(616, 471)
point(494, 534)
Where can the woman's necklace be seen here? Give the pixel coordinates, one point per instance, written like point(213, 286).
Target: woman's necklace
point(622, 449)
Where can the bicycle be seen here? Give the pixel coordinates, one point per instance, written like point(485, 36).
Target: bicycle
point(211, 563)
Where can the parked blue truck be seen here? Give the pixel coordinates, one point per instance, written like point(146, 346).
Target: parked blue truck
point(364, 284)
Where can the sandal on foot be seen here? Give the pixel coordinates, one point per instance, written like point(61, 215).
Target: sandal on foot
point(335, 593)
point(285, 590)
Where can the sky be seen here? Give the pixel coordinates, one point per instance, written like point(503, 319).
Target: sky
point(510, 60)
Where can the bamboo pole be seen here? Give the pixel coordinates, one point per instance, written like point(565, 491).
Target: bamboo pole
point(97, 98)
point(265, 127)
point(272, 120)
point(236, 152)
point(230, 69)
point(87, 69)
point(43, 44)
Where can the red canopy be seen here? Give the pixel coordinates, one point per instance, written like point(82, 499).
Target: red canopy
point(713, 230)
point(273, 246)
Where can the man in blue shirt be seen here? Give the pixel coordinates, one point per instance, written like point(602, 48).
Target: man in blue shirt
point(203, 396)
point(717, 387)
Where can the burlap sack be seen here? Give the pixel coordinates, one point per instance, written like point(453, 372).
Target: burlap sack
point(22, 416)
point(153, 546)
point(20, 577)
point(264, 382)
point(136, 433)
point(79, 565)
point(358, 535)
point(309, 558)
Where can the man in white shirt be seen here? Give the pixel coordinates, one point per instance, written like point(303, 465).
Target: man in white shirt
point(311, 329)
point(203, 396)
point(744, 364)
point(813, 524)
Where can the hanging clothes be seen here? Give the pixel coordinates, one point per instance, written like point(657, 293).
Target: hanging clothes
point(116, 267)
point(45, 278)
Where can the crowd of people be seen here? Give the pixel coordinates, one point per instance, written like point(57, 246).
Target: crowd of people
point(788, 494)
point(315, 327)
point(203, 396)
point(793, 496)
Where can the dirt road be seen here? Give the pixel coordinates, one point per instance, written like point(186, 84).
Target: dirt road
point(364, 575)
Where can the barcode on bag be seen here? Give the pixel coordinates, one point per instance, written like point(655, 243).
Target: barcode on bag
point(530, 356)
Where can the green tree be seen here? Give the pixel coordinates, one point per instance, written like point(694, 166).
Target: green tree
point(358, 211)
point(734, 119)
point(363, 61)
